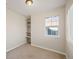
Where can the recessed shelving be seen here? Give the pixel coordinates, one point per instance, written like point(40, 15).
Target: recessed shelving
point(28, 37)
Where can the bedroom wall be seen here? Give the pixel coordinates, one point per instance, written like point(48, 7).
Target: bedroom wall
point(38, 32)
point(69, 29)
point(15, 29)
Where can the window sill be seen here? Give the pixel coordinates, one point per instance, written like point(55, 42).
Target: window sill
point(53, 36)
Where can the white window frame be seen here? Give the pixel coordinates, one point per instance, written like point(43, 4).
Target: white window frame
point(46, 33)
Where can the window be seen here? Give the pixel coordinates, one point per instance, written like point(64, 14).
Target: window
point(51, 25)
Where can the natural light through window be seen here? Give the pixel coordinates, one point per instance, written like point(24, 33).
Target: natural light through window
point(51, 25)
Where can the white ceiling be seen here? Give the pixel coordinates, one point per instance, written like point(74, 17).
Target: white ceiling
point(37, 7)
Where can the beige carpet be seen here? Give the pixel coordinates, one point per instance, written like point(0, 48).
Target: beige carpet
point(29, 52)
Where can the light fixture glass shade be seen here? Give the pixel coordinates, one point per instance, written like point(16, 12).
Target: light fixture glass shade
point(29, 2)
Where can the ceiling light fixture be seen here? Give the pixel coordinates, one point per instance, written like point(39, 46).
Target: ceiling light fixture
point(29, 2)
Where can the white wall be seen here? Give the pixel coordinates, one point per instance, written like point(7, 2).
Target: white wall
point(38, 32)
point(69, 19)
point(15, 29)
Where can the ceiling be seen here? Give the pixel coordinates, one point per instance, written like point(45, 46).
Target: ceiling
point(37, 6)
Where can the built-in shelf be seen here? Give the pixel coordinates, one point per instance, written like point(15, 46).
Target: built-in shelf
point(28, 22)
point(28, 36)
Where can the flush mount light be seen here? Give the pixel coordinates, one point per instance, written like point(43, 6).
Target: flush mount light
point(29, 2)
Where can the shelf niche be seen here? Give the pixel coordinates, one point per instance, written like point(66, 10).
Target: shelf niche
point(28, 33)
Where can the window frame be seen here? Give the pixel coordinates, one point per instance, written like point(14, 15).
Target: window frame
point(46, 33)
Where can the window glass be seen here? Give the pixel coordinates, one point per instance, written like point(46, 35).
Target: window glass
point(51, 25)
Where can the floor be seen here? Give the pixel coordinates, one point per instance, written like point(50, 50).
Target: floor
point(30, 52)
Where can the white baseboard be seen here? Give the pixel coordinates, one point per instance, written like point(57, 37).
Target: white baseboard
point(16, 46)
point(66, 56)
point(49, 49)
